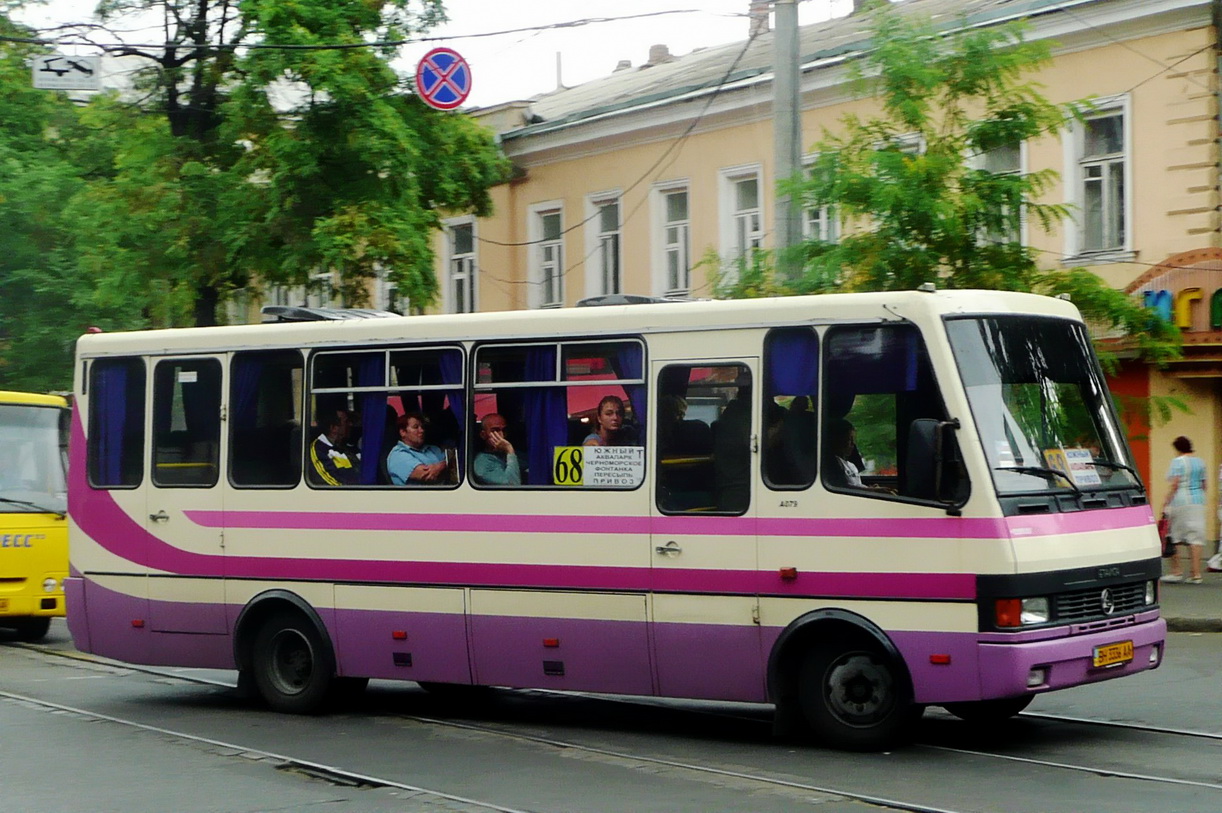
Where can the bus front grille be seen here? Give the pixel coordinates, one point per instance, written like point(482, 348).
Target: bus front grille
point(1083, 605)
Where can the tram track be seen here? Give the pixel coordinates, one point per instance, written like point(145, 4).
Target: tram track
point(335, 773)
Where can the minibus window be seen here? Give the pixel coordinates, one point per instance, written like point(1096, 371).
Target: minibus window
point(878, 382)
point(704, 438)
point(548, 397)
point(265, 397)
point(116, 423)
point(791, 376)
point(186, 422)
point(358, 402)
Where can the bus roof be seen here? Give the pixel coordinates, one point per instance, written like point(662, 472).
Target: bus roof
point(592, 322)
point(32, 398)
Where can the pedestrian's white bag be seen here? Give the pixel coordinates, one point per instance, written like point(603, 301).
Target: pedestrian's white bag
point(1215, 562)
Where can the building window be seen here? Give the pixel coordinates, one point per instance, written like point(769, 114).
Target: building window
point(676, 241)
point(748, 217)
point(1006, 160)
point(1101, 170)
point(742, 221)
point(820, 224)
point(460, 289)
point(606, 248)
point(547, 236)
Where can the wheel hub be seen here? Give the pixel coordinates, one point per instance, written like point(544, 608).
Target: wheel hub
point(859, 690)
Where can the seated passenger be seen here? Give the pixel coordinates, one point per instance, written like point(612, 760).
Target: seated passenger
point(411, 461)
point(332, 461)
point(609, 426)
point(498, 463)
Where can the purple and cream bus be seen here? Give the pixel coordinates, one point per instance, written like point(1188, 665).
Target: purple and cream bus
point(850, 506)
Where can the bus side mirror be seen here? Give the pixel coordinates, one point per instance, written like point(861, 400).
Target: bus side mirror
point(932, 469)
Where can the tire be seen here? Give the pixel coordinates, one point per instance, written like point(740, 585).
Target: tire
point(855, 697)
point(32, 630)
point(293, 665)
point(985, 712)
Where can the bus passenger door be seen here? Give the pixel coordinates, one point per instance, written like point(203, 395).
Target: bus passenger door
point(703, 531)
point(184, 505)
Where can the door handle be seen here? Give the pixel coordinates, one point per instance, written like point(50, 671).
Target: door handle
point(160, 516)
point(671, 548)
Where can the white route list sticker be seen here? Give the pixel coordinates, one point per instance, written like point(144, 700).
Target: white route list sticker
point(614, 466)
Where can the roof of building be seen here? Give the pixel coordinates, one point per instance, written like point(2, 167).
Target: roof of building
point(673, 77)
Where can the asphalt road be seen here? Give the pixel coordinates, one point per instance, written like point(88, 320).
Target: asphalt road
point(81, 735)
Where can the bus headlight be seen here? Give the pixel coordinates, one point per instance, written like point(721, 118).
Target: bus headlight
point(1150, 592)
point(1021, 612)
point(49, 585)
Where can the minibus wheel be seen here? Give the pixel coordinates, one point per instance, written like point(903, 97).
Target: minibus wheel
point(982, 712)
point(293, 666)
point(855, 696)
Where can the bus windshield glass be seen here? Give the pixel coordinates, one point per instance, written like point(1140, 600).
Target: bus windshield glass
point(32, 459)
point(1040, 404)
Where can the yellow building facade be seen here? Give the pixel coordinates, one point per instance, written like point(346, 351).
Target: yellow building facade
point(624, 184)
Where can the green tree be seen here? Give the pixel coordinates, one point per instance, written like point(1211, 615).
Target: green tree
point(910, 184)
point(38, 316)
point(230, 163)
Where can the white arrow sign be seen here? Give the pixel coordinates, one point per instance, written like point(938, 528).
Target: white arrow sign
point(64, 72)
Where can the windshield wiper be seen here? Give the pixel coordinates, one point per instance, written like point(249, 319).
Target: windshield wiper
point(41, 508)
point(1041, 471)
point(1107, 464)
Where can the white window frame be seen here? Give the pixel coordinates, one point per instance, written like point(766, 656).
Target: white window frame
point(604, 256)
point(662, 249)
point(821, 222)
point(386, 297)
point(538, 250)
point(464, 266)
point(977, 161)
point(1076, 163)
point(730, 215)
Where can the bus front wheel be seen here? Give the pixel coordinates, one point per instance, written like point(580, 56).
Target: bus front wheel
point(293, 666)
point(855, 697)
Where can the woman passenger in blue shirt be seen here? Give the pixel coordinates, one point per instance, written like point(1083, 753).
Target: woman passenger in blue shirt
point(411, 461)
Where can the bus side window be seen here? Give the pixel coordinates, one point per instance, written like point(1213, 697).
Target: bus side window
point(704, 439)
point(548, 395)
point(265, 418)
point(878, 380)
point(791, 380)
point(186, 422)
point(116, 422)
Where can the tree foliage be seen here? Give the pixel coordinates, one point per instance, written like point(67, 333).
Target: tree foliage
point(913, 187)
point(264, 142)
point(38, 290)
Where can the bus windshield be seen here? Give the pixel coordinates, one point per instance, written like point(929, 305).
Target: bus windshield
point(32, 459)
point(1040, 404)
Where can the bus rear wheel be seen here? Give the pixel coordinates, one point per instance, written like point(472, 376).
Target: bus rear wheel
point(984, 712)
point(293, 665)
point(855, 697)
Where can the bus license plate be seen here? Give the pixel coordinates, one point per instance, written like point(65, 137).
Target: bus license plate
point(1112, 654)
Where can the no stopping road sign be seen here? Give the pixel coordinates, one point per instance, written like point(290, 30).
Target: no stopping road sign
point(443, 79)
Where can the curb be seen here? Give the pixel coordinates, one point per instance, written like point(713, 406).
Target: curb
point(1193, 624)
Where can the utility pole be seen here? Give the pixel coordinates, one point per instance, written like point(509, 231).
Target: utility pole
point(787, 130)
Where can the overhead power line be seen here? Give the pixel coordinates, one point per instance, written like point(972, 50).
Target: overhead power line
point(345, 46)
